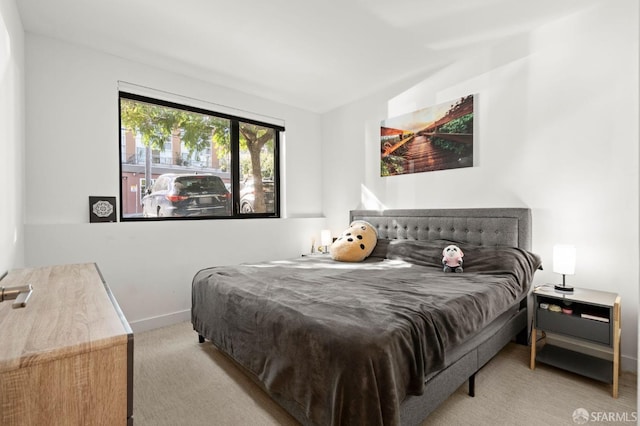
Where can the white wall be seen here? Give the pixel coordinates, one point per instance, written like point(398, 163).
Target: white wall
point(556, 131)
point(11, 137)
point(72, 135)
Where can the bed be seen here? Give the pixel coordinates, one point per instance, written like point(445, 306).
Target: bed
point(383, 341)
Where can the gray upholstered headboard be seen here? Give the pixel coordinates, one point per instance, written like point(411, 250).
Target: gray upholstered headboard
point(484, 226)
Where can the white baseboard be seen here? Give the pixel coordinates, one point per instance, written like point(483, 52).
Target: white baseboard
point(159, 321)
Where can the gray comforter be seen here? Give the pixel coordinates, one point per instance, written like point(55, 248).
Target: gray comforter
point(345, 343)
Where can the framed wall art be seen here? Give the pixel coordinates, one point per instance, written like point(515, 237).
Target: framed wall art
point(102, 209)
point(439, 137)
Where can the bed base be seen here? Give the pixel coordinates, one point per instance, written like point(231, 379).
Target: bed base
point(416, 408)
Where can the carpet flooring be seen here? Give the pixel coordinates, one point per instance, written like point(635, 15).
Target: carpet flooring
point(178, 381)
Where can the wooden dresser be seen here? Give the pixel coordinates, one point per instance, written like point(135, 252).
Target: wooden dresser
point(67, 356)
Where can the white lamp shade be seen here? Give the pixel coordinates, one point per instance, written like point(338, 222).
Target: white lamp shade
point(325, 237)
point(564, 259)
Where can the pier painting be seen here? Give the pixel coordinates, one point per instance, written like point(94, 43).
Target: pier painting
point(435, 138)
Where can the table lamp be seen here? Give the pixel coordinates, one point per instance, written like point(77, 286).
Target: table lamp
point(325, 240)
point(564, 262)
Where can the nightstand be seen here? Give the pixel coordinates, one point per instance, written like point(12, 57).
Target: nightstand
point(317, 254)
point(586, 315)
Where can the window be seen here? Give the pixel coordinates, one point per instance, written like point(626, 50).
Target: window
point(199, 163)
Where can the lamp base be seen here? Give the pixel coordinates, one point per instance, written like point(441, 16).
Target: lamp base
point(563, 288)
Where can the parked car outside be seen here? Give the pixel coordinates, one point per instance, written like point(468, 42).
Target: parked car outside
point(176, 195)
point(248, 196)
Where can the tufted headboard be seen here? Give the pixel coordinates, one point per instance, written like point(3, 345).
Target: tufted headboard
point(481, 226)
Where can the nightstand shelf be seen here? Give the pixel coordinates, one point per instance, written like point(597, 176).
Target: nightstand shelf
point(589, 316)
point(576, 362)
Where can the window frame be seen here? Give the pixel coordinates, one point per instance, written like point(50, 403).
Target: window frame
point(234, 126)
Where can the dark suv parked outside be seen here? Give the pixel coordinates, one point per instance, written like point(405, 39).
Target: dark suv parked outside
point(175, 194)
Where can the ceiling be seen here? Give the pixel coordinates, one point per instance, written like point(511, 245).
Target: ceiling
point(312, 54)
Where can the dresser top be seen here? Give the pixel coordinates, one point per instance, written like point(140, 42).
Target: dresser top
point(70, 311)
point(594, 297)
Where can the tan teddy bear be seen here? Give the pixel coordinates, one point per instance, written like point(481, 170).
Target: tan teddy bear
point(356, 242)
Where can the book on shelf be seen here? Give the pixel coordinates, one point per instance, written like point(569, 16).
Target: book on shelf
point(595, 317)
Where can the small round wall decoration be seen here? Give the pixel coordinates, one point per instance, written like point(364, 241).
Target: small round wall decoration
point(102, 209)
